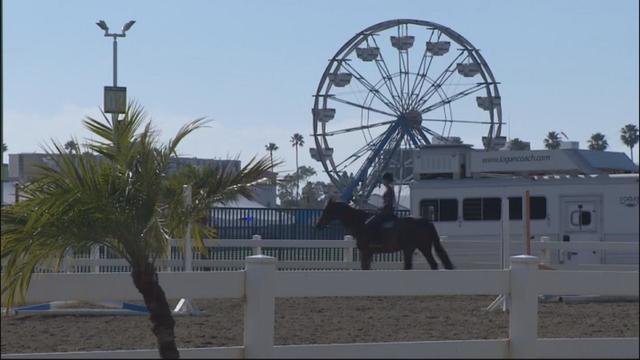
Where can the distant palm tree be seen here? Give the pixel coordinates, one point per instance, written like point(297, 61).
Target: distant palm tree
point(629, 136)
point(296, 141)
point(71, 146)
point(4, 147)
point(598, 142)
point(271, 147)
point(124, 201)
point(552, 141)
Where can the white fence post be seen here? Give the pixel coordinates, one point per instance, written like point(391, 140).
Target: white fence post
point(544, 251)
point(259, 308)
point(169, 260)
point(188, 246)
point(95, 256)
point(257, 250)
point(523, 314)
point(347, 252)
point(506, 234)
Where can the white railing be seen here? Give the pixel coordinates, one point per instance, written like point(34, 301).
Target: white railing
point(261, 283)
point(229, 254)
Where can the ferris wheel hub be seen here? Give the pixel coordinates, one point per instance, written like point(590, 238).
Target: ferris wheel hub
point(412, 119)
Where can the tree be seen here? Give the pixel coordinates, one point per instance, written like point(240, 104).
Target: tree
point(629, 137)
point(296, 141)
point(345, 180)
point(315, 194)
point(271, 147)
point(4, 147)
point(517, 144)
point(552, 141)
point(287, 186)
point(71, 146)
point(124, 201)
point(598, 142)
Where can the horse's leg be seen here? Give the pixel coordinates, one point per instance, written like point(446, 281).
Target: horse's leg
point(425, 249)
point(365, 259)
point(408, 258)
point(442, 254)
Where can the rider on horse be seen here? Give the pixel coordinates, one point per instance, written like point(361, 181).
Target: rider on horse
point(386, 213)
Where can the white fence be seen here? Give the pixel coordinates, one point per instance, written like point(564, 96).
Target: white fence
point(342, 255)
point(261, 283)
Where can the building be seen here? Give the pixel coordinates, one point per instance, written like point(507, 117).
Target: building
point(7, 185)
point(177, 163)
point(23, 167)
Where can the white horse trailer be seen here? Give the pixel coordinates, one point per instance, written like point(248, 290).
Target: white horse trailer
point(575, 196)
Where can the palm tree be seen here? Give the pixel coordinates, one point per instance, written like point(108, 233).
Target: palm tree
point(598, 142)
point(552, 141)
point(124, 201)
point(4, 147)
point(271, 147)
point(629, 136)
point(71, 146)
point(296, 141)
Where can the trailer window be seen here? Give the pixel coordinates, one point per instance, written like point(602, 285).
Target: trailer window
point(580, 218)
point(481, 209)
point(448, 210)
point(443, 209)
point(515, 208)
point(537, 208)
point(472, 209)
point(491, 208)
point(424, 209)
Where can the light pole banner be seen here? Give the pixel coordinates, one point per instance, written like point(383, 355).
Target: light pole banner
point(115, 99)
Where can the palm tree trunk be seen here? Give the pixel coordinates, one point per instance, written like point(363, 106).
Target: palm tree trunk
point(297, 177)
point(146, 281)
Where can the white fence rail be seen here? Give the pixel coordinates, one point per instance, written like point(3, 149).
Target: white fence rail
point(261, 283)
point(229, 254)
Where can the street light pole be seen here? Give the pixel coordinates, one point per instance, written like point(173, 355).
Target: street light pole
point(115, 61)
point(115, 97)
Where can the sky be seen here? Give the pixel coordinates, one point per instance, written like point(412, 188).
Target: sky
point(252, 67)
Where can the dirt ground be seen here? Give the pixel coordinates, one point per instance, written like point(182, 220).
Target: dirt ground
point(320, 321)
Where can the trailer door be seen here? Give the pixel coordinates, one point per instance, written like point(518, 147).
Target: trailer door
point(581, 221)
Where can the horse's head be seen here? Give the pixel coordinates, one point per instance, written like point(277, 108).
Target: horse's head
point(329, 213)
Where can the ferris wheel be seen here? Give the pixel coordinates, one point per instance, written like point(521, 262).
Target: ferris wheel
point(394, 87)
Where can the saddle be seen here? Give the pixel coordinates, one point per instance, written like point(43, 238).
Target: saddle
point(388, 224)
point(381, 231)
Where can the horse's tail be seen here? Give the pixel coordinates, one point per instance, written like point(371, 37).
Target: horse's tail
point(437, 245)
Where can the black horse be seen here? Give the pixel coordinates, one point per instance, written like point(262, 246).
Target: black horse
point(406, 234)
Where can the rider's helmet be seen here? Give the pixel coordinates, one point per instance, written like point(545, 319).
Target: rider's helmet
point(387, 176)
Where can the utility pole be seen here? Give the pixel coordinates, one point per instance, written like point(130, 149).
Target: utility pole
point(115, 98)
